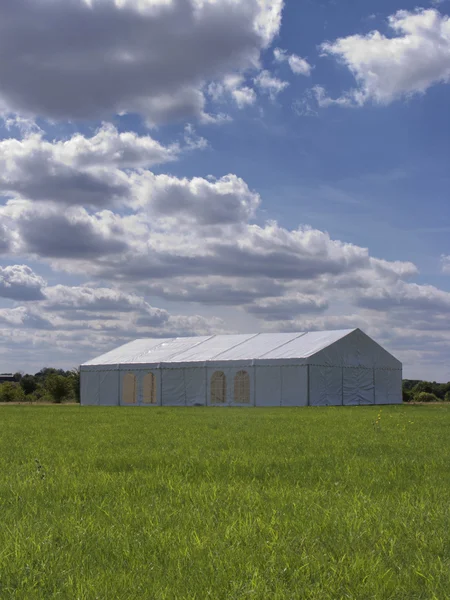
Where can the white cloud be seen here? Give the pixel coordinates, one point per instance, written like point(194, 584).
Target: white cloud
point(445, 263)
point(286, 307)
point(244, 96)
point(82, 170)
point(298, 65)
point(269, 84)
point(388, 68)
point(234, 87)
point(405, 295)
point(19, 282)
point(85, 60)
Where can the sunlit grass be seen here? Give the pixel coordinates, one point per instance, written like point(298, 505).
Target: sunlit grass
point(175, 503)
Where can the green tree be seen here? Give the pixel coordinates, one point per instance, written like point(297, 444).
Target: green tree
point(11, 392)
point(58, 387)
point(407, 395)
point(75, 380)
point(423, 386)
point(28, 384)
point(425, 397)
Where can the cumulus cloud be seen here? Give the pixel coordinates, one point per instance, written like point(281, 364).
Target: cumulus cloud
point(298, 65)
point(81, 170)
point(405, 295)
point(45, 231)
point(5, 239)
point(23, 317)
point(207, 202)
point(84, 60)
point(286, 308)
point(19, 282)
point(270, 85)
point(233, 86)
point(416, 57)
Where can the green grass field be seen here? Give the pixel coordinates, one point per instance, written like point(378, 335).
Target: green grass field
point(176, 503)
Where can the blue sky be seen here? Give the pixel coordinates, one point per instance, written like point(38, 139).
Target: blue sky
point(180, 167)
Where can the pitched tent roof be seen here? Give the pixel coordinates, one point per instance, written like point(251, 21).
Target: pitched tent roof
point(261, 348)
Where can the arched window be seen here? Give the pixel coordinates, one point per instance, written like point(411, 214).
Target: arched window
point(129, 388)
point(149, 395)
point(242, 388)
point(218, 388)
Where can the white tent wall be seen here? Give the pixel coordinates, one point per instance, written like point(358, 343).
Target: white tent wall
point(359, 386)
point(195, 390)
point(99, 386)
point(388, 386)
point(281, 385)
point(356, 349)
point(141, 395)
point(173, 387)
point(89, 387)
point(230, 374)
point(294, 385)
point(325, 386)
point(268, 386)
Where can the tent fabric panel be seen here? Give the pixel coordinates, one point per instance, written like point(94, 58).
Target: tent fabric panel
point(388, 386)
point(395, 395)
point(126, 353)
point(89, 388)
point(213, 385)
point(325, 386)
point(105, 367)
point(308, 344)
point(294, 386)
point(257, 346)
point(108, 382)
point(149, 394)
point(168, 349)
point(280, 362)
point(195, 386)
point(173, 387)
point(355, 350)
point(213, 347)
point(358, 386)
point(128, 388)
point(268, 386)
point(218, 386)
point(242, 387)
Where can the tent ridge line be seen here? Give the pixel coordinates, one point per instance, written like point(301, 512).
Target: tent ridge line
point(141, 353)
point(283, 344)
point(233, 347)
point(173, 356)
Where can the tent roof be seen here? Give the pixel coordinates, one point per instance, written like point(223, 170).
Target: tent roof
point(267, 346)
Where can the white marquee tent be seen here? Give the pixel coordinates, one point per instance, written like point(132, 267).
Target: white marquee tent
point(267, 369)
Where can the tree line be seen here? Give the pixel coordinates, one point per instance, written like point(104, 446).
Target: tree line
point(47, 385)
point(415, 390)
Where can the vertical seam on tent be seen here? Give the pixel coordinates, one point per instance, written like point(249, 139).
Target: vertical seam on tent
point(233, 347)
point(308, 399)
point(373, 375)
point(283, 344)
point(184, 386)
point(254, 382)
point(281, 385)
point(342, 386)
